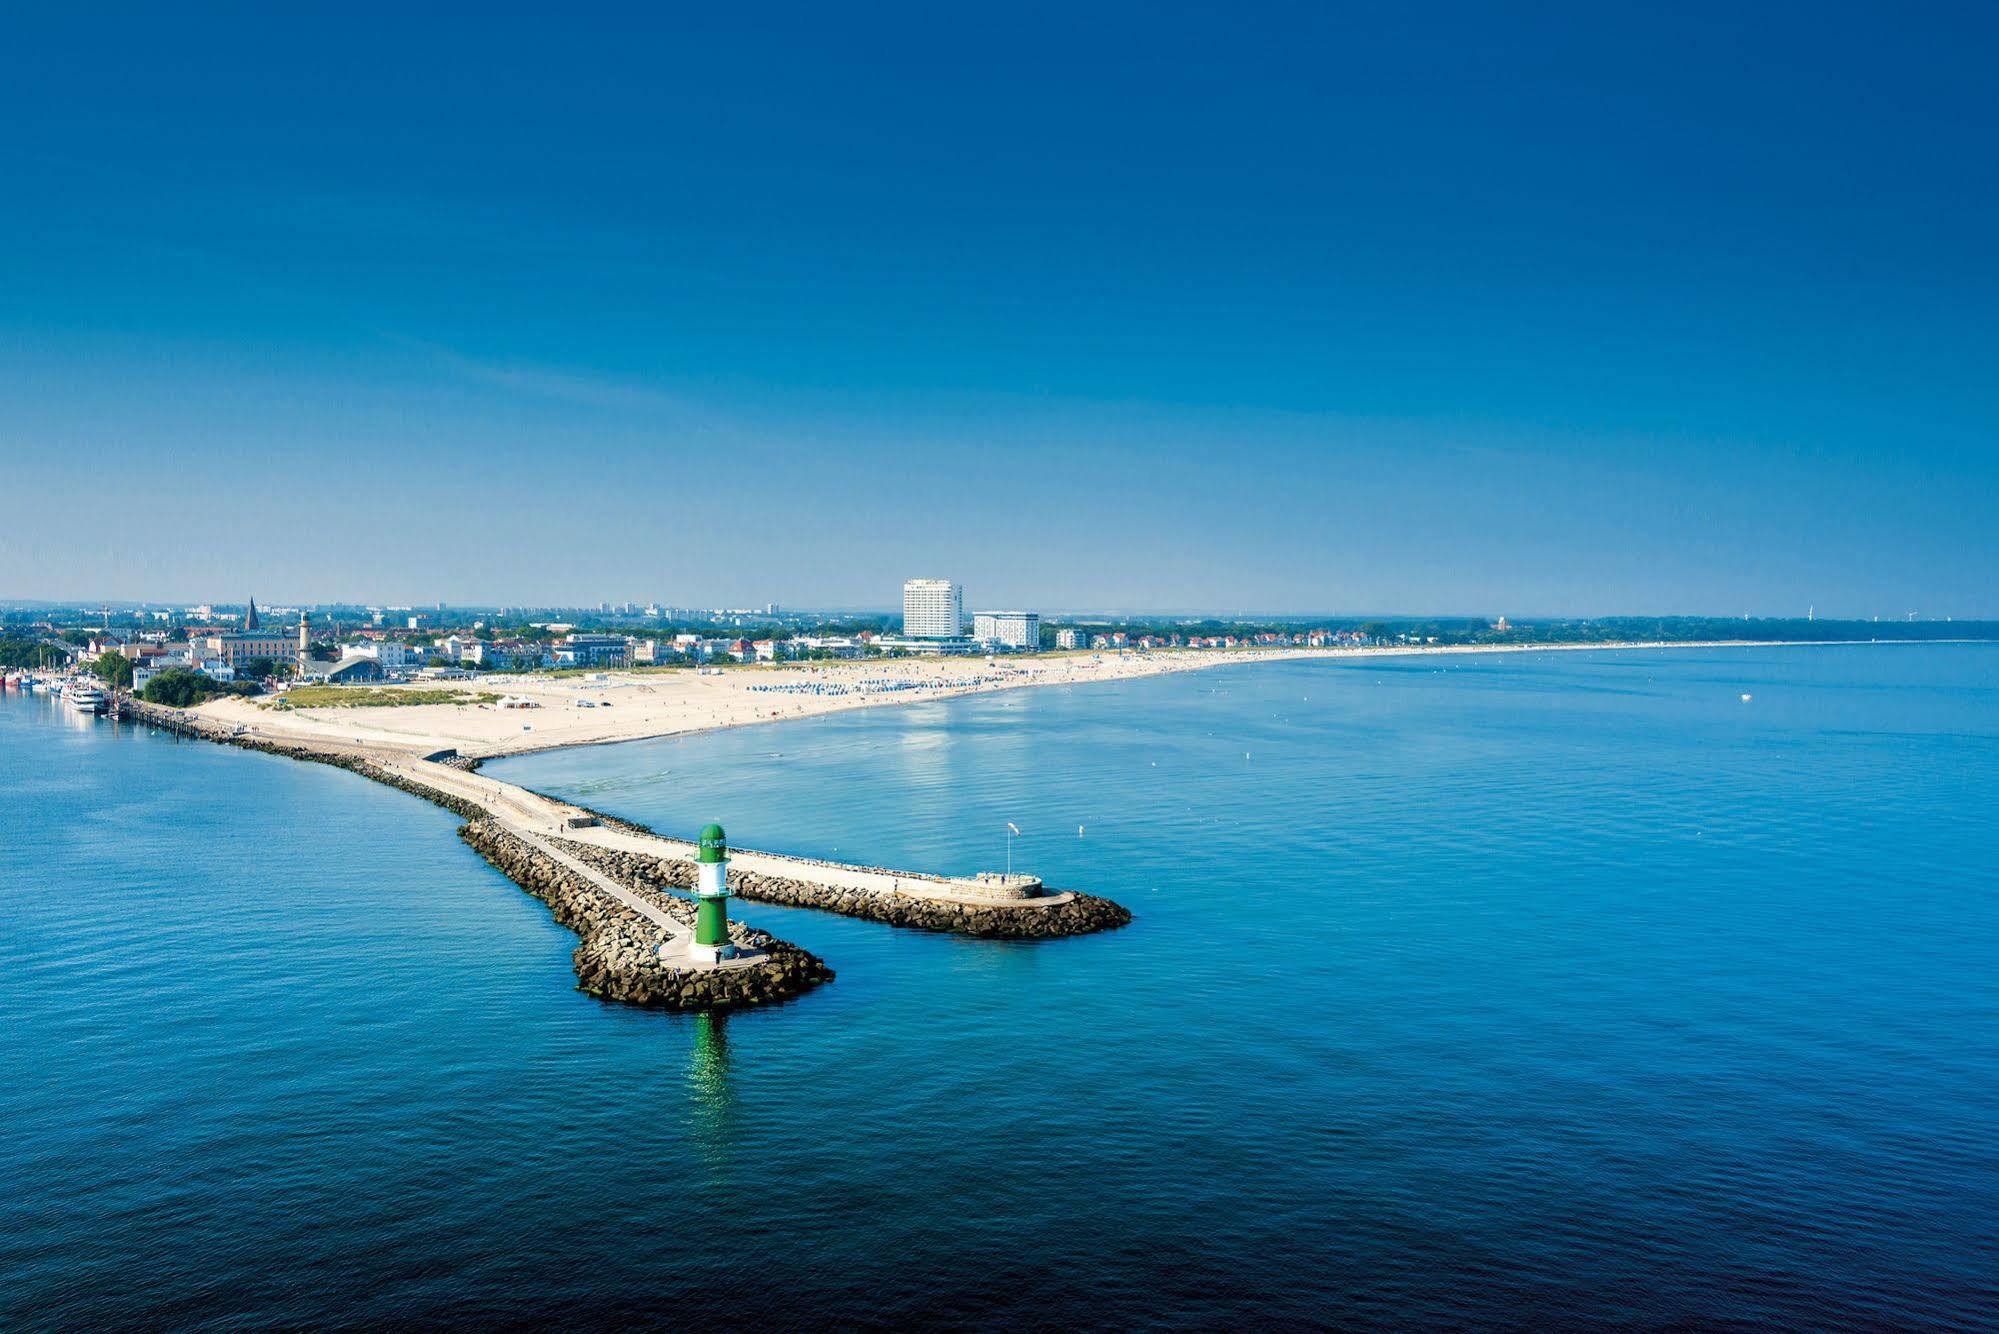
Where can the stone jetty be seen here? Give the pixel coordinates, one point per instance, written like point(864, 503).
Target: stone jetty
point(613, 882)
point(999, 918)
point(619, 957)
point(185, 722)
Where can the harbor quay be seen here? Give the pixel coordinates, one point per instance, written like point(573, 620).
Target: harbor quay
point(622, 887)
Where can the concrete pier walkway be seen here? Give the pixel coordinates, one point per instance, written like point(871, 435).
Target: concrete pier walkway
point(532, 813)
point(542, 820)
point(674, 932)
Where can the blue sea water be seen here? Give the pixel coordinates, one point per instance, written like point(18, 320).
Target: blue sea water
point(1523, 990)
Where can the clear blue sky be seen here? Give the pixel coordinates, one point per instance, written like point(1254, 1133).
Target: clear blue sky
point(1522, 309)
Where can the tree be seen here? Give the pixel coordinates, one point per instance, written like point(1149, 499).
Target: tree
point(25, 653)
point(179, 688)
point(114, 669)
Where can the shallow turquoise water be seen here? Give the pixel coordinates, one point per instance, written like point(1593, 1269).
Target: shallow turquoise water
point(1514, 990)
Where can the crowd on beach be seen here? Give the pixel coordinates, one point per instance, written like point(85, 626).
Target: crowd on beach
point(883, 685)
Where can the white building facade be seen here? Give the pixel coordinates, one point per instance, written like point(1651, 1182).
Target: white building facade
point(1017, 630)
point(594, 651)
point(392, 654)
point(932, 609)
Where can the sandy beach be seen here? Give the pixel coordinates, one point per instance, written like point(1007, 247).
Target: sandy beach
point(593, 709)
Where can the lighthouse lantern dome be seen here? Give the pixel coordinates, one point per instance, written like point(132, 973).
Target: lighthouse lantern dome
point(714, 844)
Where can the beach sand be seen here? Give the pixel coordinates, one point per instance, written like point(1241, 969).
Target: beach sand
point(581, 710)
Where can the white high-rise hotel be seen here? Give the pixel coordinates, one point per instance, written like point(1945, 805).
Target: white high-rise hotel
point(932, 609)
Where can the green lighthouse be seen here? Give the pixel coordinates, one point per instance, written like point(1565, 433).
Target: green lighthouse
point(711, 889)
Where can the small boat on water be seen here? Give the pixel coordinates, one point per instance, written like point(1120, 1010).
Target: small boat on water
point(87, 698)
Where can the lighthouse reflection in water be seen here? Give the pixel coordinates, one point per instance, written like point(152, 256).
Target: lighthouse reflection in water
point(711, 1101)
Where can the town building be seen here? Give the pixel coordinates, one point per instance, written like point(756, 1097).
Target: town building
point(509, 655)
point(1017, 630)
point(393, 655)
point(928, 647)
point(464, 648)
point(932, 609)
point(350, 671)
point(594, 651)
point(827, 646)
point(702, 649)
point(239, 648)
point(1071, 639)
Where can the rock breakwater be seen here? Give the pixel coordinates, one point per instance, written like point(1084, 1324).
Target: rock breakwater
point(605, 895)
point(999, 920)
point(618, 958)
point(184, 723)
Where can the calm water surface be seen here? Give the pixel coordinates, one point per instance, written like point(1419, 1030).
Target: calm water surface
point(1518, 990)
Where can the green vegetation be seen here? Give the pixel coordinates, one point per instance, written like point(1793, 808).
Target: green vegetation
point(639, 668)
point(16, 654)
point(179, 688)
point(372, 697)
point(114, 669)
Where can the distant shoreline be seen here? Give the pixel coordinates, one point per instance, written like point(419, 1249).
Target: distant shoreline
point(624, 706)
point(1256, 656)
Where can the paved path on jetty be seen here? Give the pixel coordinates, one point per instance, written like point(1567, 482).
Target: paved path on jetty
point(675, 931)
point(536, 817)
point(530, 812)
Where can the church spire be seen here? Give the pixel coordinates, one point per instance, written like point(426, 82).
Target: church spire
point(250, 617)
